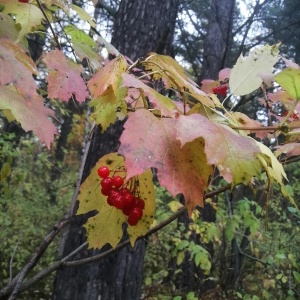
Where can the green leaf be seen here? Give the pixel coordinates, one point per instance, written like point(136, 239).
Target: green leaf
point(84, 46)
point(9, 30)
point(280, 256)
point(180, 257)
point(83, 15)
point(297, 276)
point(175, 205)
point(183, 244)
point(29, 16)
point(244, 77)
point(289, 79)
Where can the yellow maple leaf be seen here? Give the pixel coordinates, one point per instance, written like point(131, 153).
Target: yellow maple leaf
point(27, 15)
point(106, 226)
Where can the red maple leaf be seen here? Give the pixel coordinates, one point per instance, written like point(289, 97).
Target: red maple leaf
point(64, 78)
point(150, 142)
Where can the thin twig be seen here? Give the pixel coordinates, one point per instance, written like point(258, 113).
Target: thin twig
point(12, 259)
point(49, 23)
point(17, 281)
point(76, 191)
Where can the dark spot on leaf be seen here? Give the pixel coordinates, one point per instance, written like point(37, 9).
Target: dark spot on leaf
point(241, 121)
point(109, 161)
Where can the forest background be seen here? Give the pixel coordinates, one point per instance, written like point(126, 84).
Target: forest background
point(243, 243)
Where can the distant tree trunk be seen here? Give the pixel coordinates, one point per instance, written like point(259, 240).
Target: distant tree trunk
point(218, 38)
point(139, 27)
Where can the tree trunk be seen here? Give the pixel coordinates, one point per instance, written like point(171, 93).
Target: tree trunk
point(139, 27)
point(218, 38)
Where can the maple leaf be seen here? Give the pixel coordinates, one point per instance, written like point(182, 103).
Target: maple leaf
point(32, 115)
point(64, 78)
point(224, 74)
point(274, 170)
point(27, 15)
point(234, 155)
point(106, 226)
point(17, 68)
point(241, 120)
point(207, 85)
point(244, 76)
point(282, 96)
point(291, 149)
point(173, 75)
point(109, 95)
point(83, 15)
point(107, 77)
point(160, 102)
point(9, 30)
point(109, 106)
point(290, 81)
point(84, 46)
point(150, 142)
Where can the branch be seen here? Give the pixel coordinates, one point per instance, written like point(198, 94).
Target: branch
point(269, 128)
point(16, 283)
point(49, 23)
point(63, 261)
point(109, 10)
point(76, 191)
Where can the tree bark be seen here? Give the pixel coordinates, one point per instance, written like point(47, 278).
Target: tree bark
point(140, 26)
point(218, 38)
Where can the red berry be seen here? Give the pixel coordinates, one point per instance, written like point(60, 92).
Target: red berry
point(135, 202)
point(109, 201)
point(220, 89)
point(128, 199)
point(118, 201)
point(112, 196)
point(223, 90)
point(215, 90)
point(124, 191)
point(136, 213)
point(141, 204)
point(117, 181)
point(126, 210)
point(24, 1)
point(132, 221)
point(103, 172)
point(106, 183)
point(105, 192)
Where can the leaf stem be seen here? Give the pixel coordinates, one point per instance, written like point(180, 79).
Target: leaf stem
point(291, 111)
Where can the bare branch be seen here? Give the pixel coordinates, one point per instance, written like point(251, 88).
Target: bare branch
point(109, 10)
point(63, 261)
point(17, 281)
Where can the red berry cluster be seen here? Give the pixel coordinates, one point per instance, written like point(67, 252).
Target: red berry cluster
point(220, 89)
point(121, 197)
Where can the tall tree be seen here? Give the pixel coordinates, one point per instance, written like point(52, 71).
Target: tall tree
point(139, 27)
point(218, 37)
